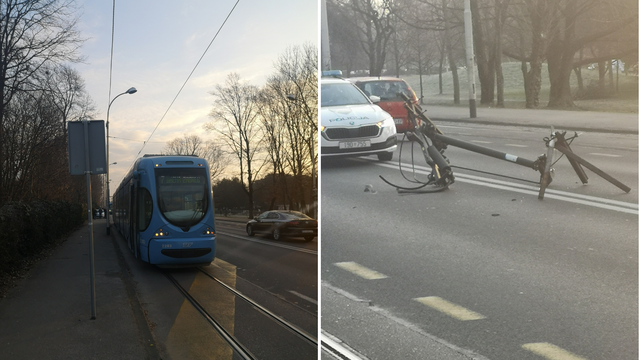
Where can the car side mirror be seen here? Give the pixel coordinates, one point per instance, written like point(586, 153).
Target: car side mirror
point(374, 99)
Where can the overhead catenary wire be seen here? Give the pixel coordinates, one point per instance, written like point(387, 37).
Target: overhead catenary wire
point(142, 141)
point(188, 77)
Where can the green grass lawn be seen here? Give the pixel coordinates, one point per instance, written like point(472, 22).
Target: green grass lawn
point(624, 100)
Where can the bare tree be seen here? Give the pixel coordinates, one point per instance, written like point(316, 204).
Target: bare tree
point(68, 93)
point(563, 33)
point(187, 145)
point(272, 111)
point(292, 93)
point(373, 19)
point(576, 31)
point(447, 15)
point(194, 145)
point(34, 34)
point(35, 148)
point(346, 52)
point(216, 157)
point(235, 117)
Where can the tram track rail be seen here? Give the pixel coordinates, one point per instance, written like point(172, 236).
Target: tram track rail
point(240, 349)
point(226, 336)
point(286, 324)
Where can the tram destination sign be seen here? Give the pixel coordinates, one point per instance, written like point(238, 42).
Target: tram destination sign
point(179, 180)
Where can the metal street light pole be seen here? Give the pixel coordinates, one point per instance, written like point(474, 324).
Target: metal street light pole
point(471, 74)
point(131, 90)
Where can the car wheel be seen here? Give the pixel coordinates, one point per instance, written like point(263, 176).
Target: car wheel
point(250, 230)
point(387, 156)
point(308, 238)
point(276, 234)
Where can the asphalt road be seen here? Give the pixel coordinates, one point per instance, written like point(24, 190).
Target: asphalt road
point(286, 270)
point(485, 268)
point(279, 276)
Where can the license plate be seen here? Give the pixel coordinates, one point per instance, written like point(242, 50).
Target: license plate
point(355, 144)
point(398, 121)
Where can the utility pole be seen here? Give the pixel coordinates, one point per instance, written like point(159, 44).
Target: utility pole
point(325, 57)
point(471, 74)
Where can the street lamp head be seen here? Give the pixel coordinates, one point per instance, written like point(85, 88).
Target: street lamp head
point(131, 90)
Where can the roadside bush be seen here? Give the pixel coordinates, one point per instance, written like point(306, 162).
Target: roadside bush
point(28, 229)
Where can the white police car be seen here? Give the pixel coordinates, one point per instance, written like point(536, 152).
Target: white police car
point(351, 124)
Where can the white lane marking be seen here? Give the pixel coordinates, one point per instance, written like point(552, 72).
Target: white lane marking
point(360, 270)
point(551, 351)
point(294, 248)
point(621, 206)
point(313, 301)
point(404, 323)
point(336, 348)
point(606, 155)
point(482, 142)
point(517, 145)
point(449, 308)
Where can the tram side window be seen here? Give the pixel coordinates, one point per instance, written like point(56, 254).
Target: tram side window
point(145, 208)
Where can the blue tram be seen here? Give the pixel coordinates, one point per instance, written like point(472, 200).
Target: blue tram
point(164, 210)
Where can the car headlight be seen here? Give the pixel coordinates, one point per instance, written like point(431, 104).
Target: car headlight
point(386, 122)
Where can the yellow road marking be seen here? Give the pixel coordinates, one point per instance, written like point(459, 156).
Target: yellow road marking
point(606, 155)
point(551, 351)
point(517, 145)
point(360, 270)
point(450, 309)
point(190, 337)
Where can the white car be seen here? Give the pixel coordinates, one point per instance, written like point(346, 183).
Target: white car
point(351, 124)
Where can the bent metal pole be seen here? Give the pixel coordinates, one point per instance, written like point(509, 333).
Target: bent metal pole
point(487, 151)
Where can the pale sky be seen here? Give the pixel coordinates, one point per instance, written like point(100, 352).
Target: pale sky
point(158, 43)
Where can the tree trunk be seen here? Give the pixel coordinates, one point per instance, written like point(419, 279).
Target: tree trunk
point(578, 71)
point(610, 69)
point(440, 66)
point(499, 83)
point(560, 59)
point(499, 12)
point(484, 57)
point(455, 79)
point(450, 55)
point(560, 65)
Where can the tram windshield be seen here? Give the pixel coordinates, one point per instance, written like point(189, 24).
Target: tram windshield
point(182, 195)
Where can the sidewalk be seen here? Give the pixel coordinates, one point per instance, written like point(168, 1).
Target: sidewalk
point(623, 123)
point(47, 315)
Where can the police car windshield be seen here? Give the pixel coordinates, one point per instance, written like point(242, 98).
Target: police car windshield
point(340, 94)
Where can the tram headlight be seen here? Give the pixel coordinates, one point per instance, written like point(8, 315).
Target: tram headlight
point(161, 233)
point(208, 231)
